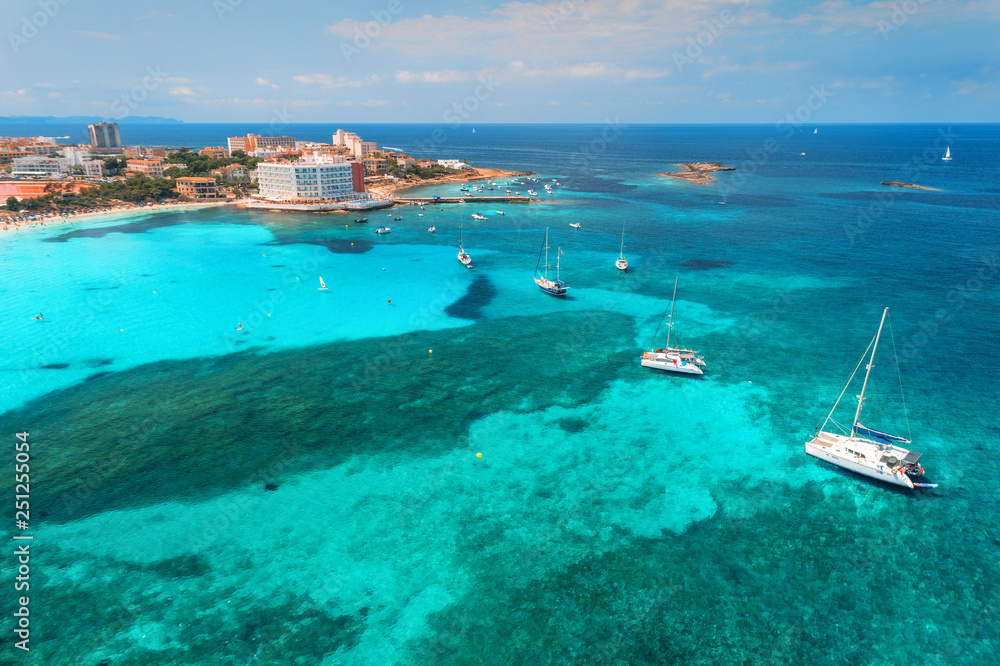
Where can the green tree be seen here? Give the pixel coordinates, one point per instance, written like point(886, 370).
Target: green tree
point(13, 204)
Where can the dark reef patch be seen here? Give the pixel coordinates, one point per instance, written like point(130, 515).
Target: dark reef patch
point(137, 227)
point(54, 366)
point(477, 296)
point(177, 430)
point(706, 264)
point(335, 246)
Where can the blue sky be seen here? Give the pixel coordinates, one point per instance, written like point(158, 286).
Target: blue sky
point(669, 61)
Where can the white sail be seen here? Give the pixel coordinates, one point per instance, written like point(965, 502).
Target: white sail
point(947, 153)
point(322, 285)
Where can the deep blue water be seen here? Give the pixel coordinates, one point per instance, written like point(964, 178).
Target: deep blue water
point(615, 516)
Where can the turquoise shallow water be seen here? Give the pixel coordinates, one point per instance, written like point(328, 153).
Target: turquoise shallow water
point(308, 491)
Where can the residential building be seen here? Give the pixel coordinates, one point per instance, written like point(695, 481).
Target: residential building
point(230, 172)
point(253, 142)
point(93, 168)
point(314, 177)
point(36, 165)
point(197, 187)
point(105, 135)
point(151, 168)
point(214, 152)
point(374, 165)
point(454, 164)
point(76, 155)
point(39, 148)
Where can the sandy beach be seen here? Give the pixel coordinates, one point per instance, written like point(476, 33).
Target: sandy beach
point(15, 224)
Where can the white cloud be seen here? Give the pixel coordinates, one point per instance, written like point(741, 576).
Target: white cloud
point(443, 76)
point(260, 81)
point(328, 81)
point(183, 90)
point(98, 35)
point(377, 102)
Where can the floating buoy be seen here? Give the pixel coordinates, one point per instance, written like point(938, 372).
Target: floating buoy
point(268, 314)
point(383, 269)
point(352, 244)
point(430, 351)
point(154, 292)
point(255, 217)
point(122, 330)
point(389, 301)
point(479, 455)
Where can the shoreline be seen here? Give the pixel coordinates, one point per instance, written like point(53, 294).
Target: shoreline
point(474, 175)
point(697, 172)
point(8, 225)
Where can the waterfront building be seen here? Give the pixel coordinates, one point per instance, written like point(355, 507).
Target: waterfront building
point(105, 135)
point(76, 155)
point(454, 164)
point(151, 168)
point(197, 187)
point(36, 165)
point(314, 178)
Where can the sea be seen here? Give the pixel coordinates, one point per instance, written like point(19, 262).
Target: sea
point(426, 464)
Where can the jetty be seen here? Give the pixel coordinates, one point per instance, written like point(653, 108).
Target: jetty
point(466, 199)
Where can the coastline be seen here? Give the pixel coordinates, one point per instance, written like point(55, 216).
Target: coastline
point(472, 176)
point(7, 225)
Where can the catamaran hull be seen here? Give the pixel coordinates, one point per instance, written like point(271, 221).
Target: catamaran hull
point(670, 366)
point(879, 472)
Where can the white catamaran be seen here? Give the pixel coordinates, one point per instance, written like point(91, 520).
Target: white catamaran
point(672, 359)
point(865, 450)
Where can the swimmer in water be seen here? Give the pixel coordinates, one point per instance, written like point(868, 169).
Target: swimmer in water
point(39, 316)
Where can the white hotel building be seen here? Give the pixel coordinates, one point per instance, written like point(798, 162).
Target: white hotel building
point(314, 180)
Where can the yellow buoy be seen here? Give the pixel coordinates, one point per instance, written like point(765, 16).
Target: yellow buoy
point(265, 255)
point(479, 455)
point(268, 314)
point(122, 330)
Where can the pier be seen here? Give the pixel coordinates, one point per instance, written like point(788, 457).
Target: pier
point(455, 200)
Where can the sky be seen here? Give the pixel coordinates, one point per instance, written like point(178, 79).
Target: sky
point(575, 61)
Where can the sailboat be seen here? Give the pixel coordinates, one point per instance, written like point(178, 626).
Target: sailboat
point(621, 263)
point(816, 131)
point(867, 451)
point(554, 287)
point(463, 256)
point(672, 359)
point(322, 285)
point(947, 154)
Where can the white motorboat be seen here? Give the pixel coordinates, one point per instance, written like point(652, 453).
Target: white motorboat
point(575, 225)
point(672, 359)
point(383, 230)
point(866, 451)
point(478, 216)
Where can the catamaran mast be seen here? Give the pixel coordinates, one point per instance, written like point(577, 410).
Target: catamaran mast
point(670, 322)
point(868, 371)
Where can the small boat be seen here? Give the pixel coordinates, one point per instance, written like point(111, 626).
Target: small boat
point(422, 207)
point(463, 256)
point(500, 212)
point(866, 451)
point(420, 214)
point(947, 154)
point(575, 225)
point(463, 189)
point(397, 219)
point(816, 131)
point(478, 216)
point(461, 201)
point(621, 263)
point(361, 220)
point(430, 229)
point(383, 230)
point(240, 327)
point(553, 287)
point(672, 359)
point(532, 193)
point(322, 285)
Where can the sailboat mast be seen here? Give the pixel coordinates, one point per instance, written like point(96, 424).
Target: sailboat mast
point(546, 253)
point(621, 252)
point(558, 252)
point(868, 371)
point(670, 322)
